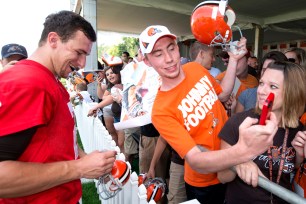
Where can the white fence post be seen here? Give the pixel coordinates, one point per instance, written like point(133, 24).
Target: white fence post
point(94, 136)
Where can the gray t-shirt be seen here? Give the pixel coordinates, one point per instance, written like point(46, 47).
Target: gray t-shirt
point(248, 98)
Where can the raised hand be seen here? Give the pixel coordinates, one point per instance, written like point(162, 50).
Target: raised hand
point(238, 50)
point(299, 143)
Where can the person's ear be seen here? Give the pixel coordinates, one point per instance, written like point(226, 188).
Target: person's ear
point(146, 61)
point(53, 38)
point(202, 54)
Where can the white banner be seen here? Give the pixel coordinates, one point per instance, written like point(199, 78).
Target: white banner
point(140, 85)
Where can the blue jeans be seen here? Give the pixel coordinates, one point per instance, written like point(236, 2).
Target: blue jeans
point(206, 195)
point(116, 119)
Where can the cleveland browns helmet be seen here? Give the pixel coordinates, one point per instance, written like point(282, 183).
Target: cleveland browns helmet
point(156, 189)
point(75, 78)
point(142, 178)
point(90, 77)
point(211, 22)
point(109, 185)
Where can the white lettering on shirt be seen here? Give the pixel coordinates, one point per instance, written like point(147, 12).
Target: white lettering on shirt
point(198, 102)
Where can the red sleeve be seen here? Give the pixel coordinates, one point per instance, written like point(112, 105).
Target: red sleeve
point(23, 105)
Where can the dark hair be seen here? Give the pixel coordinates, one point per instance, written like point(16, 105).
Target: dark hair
point(116, 70)
point(300, 54)
point(127, 54)
point(100, 66)
point(273, 55)
point(66, 24)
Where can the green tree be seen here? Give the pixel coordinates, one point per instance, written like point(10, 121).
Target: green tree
point(102, 49)
point(129, 44)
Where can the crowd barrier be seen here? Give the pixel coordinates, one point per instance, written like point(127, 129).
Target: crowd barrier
point(94, 136)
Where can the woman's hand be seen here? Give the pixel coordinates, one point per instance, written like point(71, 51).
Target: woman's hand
point(100, 79)
point(299, 143)
point(93, 112)
point(249, 172)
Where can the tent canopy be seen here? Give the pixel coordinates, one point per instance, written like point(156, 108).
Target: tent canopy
point(281, 20)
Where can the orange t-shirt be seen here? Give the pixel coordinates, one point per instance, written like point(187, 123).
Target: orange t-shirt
point(300, 177)
point(249, 82)
point(191, 114)
point(299, 183)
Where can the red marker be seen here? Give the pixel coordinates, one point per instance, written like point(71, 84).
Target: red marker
point(266, 109)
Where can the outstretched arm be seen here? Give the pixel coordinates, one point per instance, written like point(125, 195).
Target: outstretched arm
point(101, 88)
point(226, 175)
point(25, 178)
point(253, 140)
point(107, 100)
point(159, 149)
point(228, 81)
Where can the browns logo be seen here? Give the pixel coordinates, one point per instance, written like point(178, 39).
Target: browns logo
point(145, 44)
point(153, 31)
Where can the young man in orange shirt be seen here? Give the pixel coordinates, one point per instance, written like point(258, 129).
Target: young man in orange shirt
point(188, 114)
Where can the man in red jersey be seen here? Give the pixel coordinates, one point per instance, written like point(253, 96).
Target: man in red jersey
point(39, 157)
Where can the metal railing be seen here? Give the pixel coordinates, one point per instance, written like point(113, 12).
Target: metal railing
point(94, 136)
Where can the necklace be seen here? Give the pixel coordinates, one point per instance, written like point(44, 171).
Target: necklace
point(273, 156)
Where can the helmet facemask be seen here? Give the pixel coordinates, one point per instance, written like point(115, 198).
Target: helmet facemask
point(111, 184)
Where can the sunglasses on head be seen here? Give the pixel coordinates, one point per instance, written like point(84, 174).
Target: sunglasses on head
point(291, 60)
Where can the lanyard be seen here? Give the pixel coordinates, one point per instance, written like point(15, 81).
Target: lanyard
point(273, 155)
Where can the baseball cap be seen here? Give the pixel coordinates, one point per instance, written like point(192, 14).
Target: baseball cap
point(150, 35)
point(13, 49)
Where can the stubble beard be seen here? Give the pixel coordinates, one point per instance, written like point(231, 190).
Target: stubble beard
point(173, 76)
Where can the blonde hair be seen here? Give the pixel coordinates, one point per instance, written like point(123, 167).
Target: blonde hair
point(294, 93)
point(300, 54)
